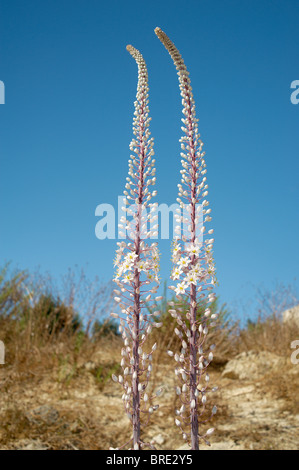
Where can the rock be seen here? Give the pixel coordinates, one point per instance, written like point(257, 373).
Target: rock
point(34, 444)
point(222, 445)
point(45, 413)
point(90, 365)
point(159, 439)
point(252, 365)
point(291, 316)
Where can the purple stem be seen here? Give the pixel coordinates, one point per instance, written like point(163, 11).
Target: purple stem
point(193, 304)
point(137, 285)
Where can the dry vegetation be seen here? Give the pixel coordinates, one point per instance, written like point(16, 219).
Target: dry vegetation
point(56, 388)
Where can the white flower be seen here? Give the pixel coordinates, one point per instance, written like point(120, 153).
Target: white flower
point(184, 261)
point(196, 271)
point(141, 266)
point(180, 289)
point(176, 273)
point(155, 267)
point(176, 249)
point(117, 260)
point(126, 266)
point(191, 278)
point(193, 249)
point(130, 257)
point(128, 277)
point(175, 257)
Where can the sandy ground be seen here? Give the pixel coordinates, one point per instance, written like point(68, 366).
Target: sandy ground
point(69, 409)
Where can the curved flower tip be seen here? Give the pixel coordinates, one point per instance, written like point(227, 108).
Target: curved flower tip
point(133, 51)
point(136, 54)
point(160, 33)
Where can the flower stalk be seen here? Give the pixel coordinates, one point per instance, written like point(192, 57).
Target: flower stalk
point(193, 267)
point(137, 266)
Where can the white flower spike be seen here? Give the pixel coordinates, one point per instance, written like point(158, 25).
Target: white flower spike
point(193, 270)
point(137, 263)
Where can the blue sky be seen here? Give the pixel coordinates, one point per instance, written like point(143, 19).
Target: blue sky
point(66, 127)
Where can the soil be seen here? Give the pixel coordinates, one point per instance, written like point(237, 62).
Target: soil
point(81, 408)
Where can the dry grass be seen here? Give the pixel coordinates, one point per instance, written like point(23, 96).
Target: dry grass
point(51, 361)
point(268, 334)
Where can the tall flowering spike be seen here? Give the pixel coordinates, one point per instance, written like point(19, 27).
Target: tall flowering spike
point(193, 268)
point(137, 265)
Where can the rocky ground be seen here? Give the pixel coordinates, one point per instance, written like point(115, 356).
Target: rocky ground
point(82, 409)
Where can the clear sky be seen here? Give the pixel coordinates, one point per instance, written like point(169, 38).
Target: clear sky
point(66, 126)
